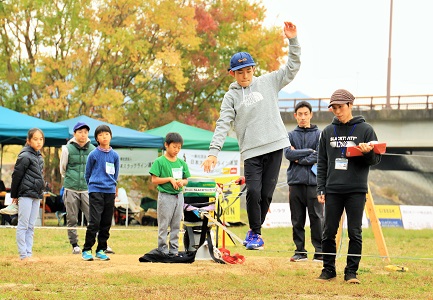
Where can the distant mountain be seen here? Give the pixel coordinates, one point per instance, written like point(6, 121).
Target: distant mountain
point(295, 95)
point(287, 101)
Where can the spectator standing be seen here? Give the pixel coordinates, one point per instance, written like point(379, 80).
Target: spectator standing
point(301, 178)
point(102, 172)
point(72, 168)
point(27, 191)
point(170, 174)
point(342, 182)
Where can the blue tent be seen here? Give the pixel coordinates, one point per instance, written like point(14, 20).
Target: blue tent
point(14, 127)
point(122, 137)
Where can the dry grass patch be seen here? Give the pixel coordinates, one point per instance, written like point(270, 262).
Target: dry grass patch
point(265, 274)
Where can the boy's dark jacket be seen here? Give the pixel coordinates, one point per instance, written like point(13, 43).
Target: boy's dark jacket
point(334, 140)
point(305, 141)
point(27, 177)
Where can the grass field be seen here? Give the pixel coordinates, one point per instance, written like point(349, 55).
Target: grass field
point(265, 274)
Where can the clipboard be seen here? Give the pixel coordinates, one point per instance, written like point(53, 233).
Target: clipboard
point(379, 148)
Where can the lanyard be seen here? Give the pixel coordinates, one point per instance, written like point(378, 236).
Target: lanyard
point(339, 144)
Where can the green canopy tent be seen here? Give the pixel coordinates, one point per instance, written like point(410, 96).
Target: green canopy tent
point(193, 137)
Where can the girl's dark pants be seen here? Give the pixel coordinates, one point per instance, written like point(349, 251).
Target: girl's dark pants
point(101, 207)
point(261, 177)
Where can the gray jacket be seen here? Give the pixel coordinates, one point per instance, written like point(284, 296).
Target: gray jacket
point(254, 112)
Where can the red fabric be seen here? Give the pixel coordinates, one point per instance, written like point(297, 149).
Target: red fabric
point(231, 259)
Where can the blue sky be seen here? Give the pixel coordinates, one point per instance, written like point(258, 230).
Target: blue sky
point(345, 45)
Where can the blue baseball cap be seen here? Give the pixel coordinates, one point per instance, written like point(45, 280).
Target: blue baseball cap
point(241, 60)
point(81, 125)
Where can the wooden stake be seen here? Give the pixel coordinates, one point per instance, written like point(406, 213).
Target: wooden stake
point(375, 225)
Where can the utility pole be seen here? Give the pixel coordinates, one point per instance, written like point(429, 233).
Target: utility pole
point(388, 82)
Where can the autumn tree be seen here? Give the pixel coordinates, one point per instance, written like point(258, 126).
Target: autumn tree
point(130, 62)
point(133, 63)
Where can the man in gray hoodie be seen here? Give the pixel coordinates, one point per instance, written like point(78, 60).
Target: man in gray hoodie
point(251, 107)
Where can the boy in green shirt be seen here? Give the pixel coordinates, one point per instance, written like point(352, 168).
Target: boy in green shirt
point(170, 174)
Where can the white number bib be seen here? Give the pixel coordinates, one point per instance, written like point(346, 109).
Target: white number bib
point(109, 168)
point(177, 173)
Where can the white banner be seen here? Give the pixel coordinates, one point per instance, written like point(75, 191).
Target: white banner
point(417, 217)
point(136, 161)
point(229, 162)
point(279, 216)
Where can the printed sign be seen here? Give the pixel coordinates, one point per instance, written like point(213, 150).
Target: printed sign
point(230, 202)
point(417, 217)
point(136, 161)
point(389, 215)
point(279, 216)
point(228, 162)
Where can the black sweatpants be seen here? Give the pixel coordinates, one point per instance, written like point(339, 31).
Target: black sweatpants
point(101, 207)
point(303, 197)
point(261, 177)
point(335, 204)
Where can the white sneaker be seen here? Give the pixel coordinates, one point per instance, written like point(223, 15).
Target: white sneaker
point(12, 209)
point(76, 250)
point(109, 250)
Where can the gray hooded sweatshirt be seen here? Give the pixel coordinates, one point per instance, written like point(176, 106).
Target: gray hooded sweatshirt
point(254, 112)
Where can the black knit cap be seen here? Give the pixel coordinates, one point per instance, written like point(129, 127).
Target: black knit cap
point(341, 96)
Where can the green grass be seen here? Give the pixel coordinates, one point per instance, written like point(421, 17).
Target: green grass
point(266, 274)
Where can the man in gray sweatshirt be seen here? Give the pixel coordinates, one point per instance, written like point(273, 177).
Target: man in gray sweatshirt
point(251, 107)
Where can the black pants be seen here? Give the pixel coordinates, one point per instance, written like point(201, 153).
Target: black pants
point(261, 176)
point(101, 207)
point(302, 198)
point(354, 204)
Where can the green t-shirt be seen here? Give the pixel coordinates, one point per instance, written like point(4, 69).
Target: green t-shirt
point(164, 168)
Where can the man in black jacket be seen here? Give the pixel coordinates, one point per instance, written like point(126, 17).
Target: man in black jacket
point(301, 179)
point(343, 181)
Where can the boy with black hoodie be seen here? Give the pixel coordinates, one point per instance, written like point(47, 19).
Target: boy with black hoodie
point(343, 181)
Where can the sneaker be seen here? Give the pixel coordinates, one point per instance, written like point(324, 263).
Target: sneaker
point(76, 250)
point(248, 237)
point(87, 255)
point(101, 255)
point(109, 250)
point(351, 278)
point(11, 209)
point(299, 257)
point(318, 258)
point(256, 243)
point(327, 275)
